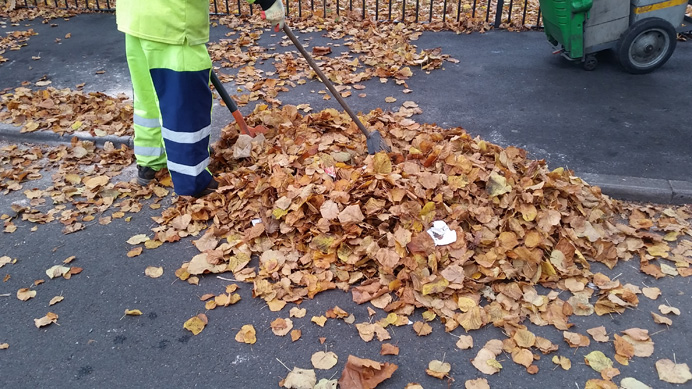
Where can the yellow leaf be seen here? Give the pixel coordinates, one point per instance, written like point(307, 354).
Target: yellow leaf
point(297, 312)
point(564, 362)
point(133, 312)
point(437, 286)
point(276, 305)
point(497, 185)
point(195, 325)
point(319, 320)
point(247, 334)
point(598, 361)
point(382, 164)
point(137, 239)
point(281, 326)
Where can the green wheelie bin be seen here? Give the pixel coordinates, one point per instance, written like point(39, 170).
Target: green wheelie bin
point(643, 33)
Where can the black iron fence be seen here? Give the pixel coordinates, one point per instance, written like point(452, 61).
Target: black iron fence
point(496, 13)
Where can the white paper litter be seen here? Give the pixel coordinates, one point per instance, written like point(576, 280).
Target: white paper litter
point(256, 222)
point(441, 233)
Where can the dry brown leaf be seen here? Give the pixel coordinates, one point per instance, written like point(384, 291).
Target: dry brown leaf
point(364, 373)
point(296, 334)
point(485, 362)
point(297, 312)
point(324, 360)
point(389, 349)
point(465, 342)
point(671, 372)
point(56, 300)
point(651, 293)
point(658, 319)
point(665, 309)
point(134, 252)
point(576, 340)
point(46, 320)
point(281, 327)
point(438, 369)
point(300, 379)
point(478, 383)
point(422, 328)
point(563, 362)
point(25, 294)
point(153, 271)
point(599, 334)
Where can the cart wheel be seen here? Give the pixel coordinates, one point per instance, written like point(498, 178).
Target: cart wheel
point(646, 45)
point(590, 62)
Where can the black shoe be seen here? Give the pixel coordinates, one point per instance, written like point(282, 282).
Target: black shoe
point(211, 188)
point(145, 175)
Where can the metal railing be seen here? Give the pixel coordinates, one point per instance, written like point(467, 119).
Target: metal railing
point(498, 13)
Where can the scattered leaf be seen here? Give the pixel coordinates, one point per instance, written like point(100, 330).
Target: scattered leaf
point(246, 334)
point(438, 369)
point(671, 372)
point(324, 360)
point(364, 373)
point(153, 271)
point(195, 325)
point(25, 294)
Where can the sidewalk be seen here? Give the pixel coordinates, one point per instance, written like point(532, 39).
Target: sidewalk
point(628, 134)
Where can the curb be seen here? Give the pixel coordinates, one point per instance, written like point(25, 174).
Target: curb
point(651, 190)
point(12, 133)
point(640, 189)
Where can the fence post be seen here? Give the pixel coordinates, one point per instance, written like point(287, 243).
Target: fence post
point(498, 13)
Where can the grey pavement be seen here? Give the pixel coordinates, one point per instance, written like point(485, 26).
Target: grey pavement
point(507, 88)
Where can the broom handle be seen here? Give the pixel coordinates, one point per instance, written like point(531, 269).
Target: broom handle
point(325, 81)
point(222, 92)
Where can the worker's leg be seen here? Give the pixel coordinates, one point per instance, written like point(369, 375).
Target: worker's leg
point(149, 148)
point(180, 74)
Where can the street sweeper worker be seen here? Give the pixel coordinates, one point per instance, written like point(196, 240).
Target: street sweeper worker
point(165, 44)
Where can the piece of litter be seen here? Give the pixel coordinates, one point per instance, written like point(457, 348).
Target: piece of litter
point(441, 233)
point(331, 172)
point(256, 222)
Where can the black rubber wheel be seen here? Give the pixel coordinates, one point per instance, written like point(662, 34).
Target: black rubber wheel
point(646, 45)
point(590, 62)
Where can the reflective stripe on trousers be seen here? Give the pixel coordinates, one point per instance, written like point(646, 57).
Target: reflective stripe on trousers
point(171, 82)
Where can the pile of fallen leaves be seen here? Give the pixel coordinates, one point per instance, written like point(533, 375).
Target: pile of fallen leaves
point(66, 111)
point(320, 215)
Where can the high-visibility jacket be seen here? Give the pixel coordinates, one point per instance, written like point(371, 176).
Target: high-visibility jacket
point(167, 21)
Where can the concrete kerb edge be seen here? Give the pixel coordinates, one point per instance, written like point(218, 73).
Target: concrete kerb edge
point(12, 134)
point(640, 189)
point(652, 190)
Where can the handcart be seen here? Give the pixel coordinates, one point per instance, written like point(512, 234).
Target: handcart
point(643, 33)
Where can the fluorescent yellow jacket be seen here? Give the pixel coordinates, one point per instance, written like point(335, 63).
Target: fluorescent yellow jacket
point(167, 21)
